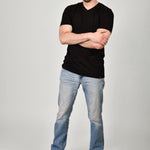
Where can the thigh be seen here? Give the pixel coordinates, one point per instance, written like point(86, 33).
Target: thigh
point(69, 84)
point(93, 90)
point(68, 87)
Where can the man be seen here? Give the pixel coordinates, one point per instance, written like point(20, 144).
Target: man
point(86, 27)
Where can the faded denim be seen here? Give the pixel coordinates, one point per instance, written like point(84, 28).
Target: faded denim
point(93, 90)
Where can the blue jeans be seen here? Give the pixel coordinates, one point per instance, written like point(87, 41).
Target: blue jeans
point(93, 90)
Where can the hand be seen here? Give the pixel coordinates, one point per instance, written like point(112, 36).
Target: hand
point(106, 32)
point(99, 37)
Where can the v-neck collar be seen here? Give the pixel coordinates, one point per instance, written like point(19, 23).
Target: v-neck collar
point(90, 8)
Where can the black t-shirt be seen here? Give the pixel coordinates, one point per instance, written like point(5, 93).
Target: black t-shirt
point(80, 60)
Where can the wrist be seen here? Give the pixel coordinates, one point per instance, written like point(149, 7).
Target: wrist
point(89, 35)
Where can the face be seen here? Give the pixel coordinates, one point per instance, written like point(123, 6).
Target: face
point(86, 1)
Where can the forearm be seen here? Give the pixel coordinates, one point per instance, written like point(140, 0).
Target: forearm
point(92, 39)
point(101, 43)
point(91, 44)
point(74, 38)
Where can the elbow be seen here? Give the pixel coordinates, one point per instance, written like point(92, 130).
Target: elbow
point(62, 41)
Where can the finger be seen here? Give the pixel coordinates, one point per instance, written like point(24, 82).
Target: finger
point(104, 41)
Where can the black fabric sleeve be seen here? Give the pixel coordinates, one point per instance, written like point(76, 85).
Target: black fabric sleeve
point(107, 19)
point(66, 17)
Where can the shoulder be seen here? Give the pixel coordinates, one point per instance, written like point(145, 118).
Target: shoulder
point(73, 6)
point(106, 9)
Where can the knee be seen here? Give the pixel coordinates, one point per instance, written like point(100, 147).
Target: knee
point(62, 117)
point(63, 114)
point(95, 118)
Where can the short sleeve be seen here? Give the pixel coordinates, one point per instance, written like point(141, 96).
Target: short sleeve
point(66, 17)
point(107, 19)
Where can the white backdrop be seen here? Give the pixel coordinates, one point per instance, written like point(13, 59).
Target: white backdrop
point(30, 63)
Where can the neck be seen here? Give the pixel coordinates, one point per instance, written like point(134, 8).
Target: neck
point(90, 4)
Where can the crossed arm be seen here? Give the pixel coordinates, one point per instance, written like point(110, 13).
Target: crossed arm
point(94, 40)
